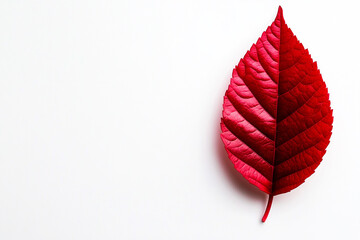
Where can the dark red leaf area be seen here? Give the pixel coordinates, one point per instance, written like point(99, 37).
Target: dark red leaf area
point(277, 119)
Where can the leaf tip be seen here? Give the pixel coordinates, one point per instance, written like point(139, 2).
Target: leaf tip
point(279, 14)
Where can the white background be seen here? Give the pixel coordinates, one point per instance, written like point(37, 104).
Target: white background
point(110, 111)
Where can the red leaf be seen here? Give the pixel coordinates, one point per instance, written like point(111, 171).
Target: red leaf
point(277, 118)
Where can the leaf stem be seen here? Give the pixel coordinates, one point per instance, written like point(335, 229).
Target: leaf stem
point(267, 208)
